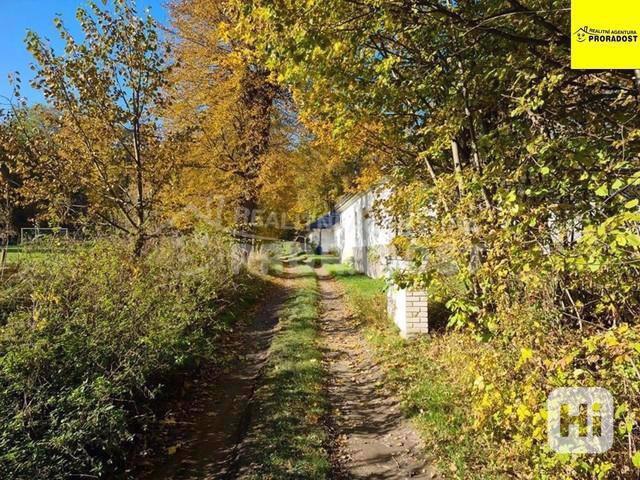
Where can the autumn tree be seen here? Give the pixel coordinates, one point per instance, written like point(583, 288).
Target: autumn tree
point(230, 102)
point(517, 179)
point(24, 131)
point(253, 155)
point(108, 92)
point(476, 115)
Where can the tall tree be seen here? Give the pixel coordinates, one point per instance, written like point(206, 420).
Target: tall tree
point(477, 117)
point(229, 100)
point(109, 91)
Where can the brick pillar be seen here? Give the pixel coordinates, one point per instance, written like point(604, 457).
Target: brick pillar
point(417, 313)
point(409, 310)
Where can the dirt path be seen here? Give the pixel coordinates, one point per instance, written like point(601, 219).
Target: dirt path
point(372, 438)
point(219, 413)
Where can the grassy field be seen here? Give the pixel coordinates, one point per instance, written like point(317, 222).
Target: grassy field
point(14, 254)
point(43, 250)
point(288, 440)
point(422, 372)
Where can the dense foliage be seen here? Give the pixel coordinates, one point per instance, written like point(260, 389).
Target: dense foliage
point(100, 153)
point(515, 188)
point(252, 164)
point(90, 341)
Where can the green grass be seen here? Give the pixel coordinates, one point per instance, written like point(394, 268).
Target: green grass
point(13, 254)
point(428, 376)
point(276, 268)
point(356, 284)
point(325, 259)
point(16, 254)
point(422, 372)
point(288, 438)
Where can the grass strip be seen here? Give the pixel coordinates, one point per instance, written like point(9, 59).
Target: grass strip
point(287, 439)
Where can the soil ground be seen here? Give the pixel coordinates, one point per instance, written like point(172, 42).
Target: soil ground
point(372, 439)
point(369, 436)
point(218, 415)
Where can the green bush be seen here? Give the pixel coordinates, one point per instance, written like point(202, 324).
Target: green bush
point(91, 341)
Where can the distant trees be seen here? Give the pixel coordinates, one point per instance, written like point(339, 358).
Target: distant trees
point(21, 128)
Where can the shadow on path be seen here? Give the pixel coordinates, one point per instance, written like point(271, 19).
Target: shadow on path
point(219, 412)
point(371, 437)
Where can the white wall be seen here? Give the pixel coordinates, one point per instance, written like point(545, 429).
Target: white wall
point(409, 309)
point(328, 240)
point(360, 237)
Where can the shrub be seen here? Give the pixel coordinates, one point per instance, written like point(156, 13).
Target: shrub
point(92, 344)
point(259, 260)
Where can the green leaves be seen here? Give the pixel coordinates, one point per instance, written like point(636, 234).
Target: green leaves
point(91, 367)
point(602, 191)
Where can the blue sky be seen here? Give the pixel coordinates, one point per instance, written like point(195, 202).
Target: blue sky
point(17, 16)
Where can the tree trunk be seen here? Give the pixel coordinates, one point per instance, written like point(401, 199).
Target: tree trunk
point(7, 225)
point(138, 246)
point(140, 207)
point(457, 166)
point(258, 95)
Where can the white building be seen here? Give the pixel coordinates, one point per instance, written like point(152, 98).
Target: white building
point(362, 238)
point(354, 233)
point(322, 233)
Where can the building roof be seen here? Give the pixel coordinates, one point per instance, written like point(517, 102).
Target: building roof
point(345, 201)
point(326, 221)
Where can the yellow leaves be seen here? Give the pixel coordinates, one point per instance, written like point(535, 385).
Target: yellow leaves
point(317, 53)
point(478, 383)
point(523, 412)
point(526, 354)
point(172, 450)
point(538, 420)
point(386, 65)
point(339, 47)
point(632, 204)
point(610, 340)
point(487, 401)
point(539, 433)
point(263, 13)
point(602, 191)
